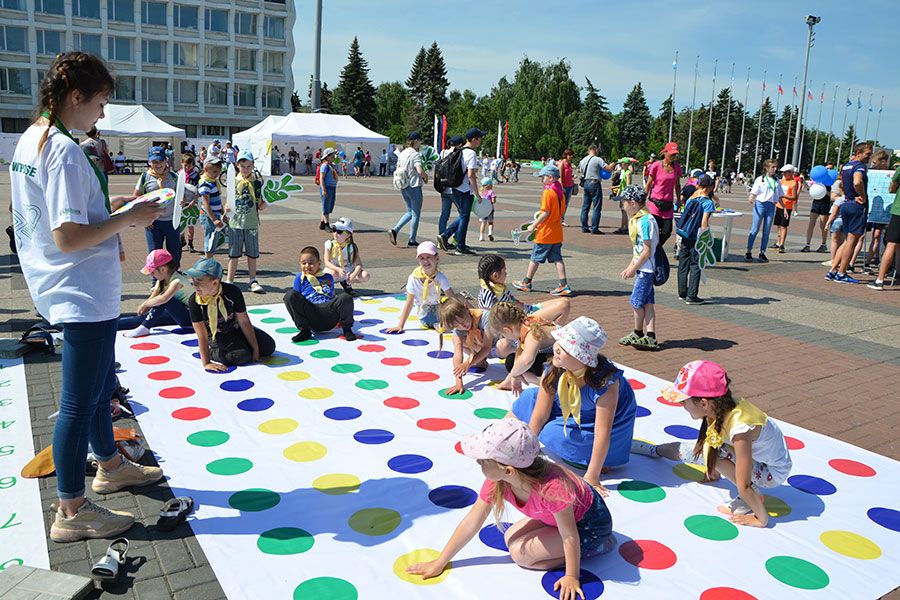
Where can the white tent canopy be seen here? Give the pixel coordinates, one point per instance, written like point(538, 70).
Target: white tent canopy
point(133, 129)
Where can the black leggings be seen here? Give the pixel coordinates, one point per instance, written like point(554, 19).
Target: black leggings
point(233, 349)
point(537, 367)
point(319, 317)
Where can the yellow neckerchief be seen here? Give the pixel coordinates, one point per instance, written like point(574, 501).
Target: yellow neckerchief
point(314, 280)
point(744, 413)
point(420, 274)
point(214, 305)
point(337, 251)
point(633, 225)
point(240, 182)
point(570, 395)
point(498, 288)
point(475, 336)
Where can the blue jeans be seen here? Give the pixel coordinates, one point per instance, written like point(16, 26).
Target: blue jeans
point(568, 191)
point(446, 203)
point(88, 382)
point(460, 225)
point(164, 232)
point(412, 197)
point(328, 199)
point(173, 312)
point(592, 201)
point(763, 214)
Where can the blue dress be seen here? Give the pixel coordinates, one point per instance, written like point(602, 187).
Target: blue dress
point(576, 444)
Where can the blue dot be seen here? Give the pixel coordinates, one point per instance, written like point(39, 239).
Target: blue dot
point(386, 332)
point(492, 537)
point(191, 343)
point(642, 412)
point(183, 330)
point(440, 354)
point(367, 322)
point(410, 463)
point(343, 413)
point(227, 370)
point(236, 385)
point(358, 313)
point(811, 485)
point(886, 517)
point(196, 355)
point(591, 585)
point(255, 404)
point(373, 436)
point(682, 432)
point(415, 342)
point(452, 496)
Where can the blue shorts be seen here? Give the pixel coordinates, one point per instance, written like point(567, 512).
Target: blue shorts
point(542, 253)
point(837, 226)
point(428, 315)
point(854, 216)
point(209, 232)
point(642, 294)
point(595, 529)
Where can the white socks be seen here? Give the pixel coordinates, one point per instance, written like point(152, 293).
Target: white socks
point(139, 331)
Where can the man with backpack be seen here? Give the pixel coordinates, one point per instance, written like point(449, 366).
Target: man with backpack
point(694, 218)
point(463, 192)
point(442, 175)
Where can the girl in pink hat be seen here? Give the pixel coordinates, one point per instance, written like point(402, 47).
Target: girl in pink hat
point(168, 301)
point(736, 440)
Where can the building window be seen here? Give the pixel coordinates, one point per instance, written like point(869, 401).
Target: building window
point(12, 39)
point(88, 42)
point(185, 91)
point(184, 55)
point(124, 88)
point(49, 42)
point(244, 95)
point(14, 125)
point(216, 20)
point(246, 60)
point(274, 28)
point(272, 97)
point(154, 90)
point(13, 4)
point(185, 16)
point(217, 94)
point(52, 7)
point(15, 81)
point(213, 130)
point(216, 57)
point(190, 131)
point(244, 24)
point(274, 62)
point(154, 52)
point(119, 49)
point(87, 9)
point(153, 13)
point(120, 10)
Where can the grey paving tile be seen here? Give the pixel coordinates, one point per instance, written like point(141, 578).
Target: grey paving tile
point(152, 589)
point(190, 578)
point(205, 591)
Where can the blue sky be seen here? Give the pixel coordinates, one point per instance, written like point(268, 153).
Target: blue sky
point(617, 45)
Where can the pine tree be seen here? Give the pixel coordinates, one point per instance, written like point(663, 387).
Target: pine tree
point(415, 84)
point(846, 145)
point(763, 120)
point(355, 94)
point(634, 123)
point(435, 86)
point(296, 105)
point(592, 119)
point(325, 101)
point(659, 132)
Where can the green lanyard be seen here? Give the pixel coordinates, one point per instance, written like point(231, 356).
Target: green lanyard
point(100, 177)
point(771, 182)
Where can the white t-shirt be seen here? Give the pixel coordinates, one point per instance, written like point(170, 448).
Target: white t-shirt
point(348, 261)
point(414, 288)
point(469, 161)
point(763, 190)
point(769, 448)
point(48, 190)
point(409, 159)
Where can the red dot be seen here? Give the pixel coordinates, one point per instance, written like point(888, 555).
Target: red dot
point(794, 443)
point(191, 413)
point(435, 424)
point(395, 361)
point(636, 385)
point(401, 402)
point(370, 348)
point(164, 375)
point(647, 554)
point(424, 376)
point(458, 447)
point(153, 360)
point(662, 400)
point(725, 593)
point(851, 467)
point(176, 393)
point(145, 346)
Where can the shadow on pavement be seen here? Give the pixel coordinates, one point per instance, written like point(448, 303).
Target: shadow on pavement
point(707, 344)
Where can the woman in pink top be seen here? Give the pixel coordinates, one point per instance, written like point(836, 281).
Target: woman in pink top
point(566, 178)
point(662, 188)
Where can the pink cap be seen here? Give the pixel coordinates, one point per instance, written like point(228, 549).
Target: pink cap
point(697, 379)
point(670, 148)
point(155, 259)
point(508, 441)
point(426, 248)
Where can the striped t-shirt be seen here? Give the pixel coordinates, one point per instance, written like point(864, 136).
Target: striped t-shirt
point(208, 187)
point(487, 298)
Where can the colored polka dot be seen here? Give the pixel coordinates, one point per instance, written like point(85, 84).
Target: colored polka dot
point(283, 541)
point(811, 485)
point(343, 413)
point(326, 587)
point(273, 320)
point(386, 332)
point(794, 443)
point(315, 393)
point(415, 343)
point(440, 354)
point(465, 395)
point(371, 301)
point(254, 500)
point(358, 313)
point(373, 436)
point(345, 368)
point(851, 544)
point(309, 342)
point(590, 583)
point(324, 353)
point(648, 554)
point(726, 593)
point(145, 346)
point(182, 330)
point(259, 311)
point(337, 484)
point(229, 466)
point(640, 411)
point(305, 451)
point(641, 491)
point(153, 360)
point(682, 432)
point(689, 471)
point(368, 322)
point(636, 385)
point(491, 413)
point(176, 393)
point(492, 537)
point(278, 426)
point(370, 348)
point(423, 376)
point(401, 403)
point(191, 413)
point(797, 572)
point(236, 385)
point(662, 400)
point(452, 496)
point(417, 556)
point(208, 438)
point(776, 507)
point(410, 463)
point(435, 424)
point(197, 356)
point(371, 384)
point(226, 371)
point(374, 521)
point(389, 309)
point(164, 375)
point(886, 517)
point(192, 343)
point(851, 467)
point(712, 528)
point(287, 330)
point(293, 376)
point(458, 447)
point(395, 361)
point(256, 404)
point(277, 361)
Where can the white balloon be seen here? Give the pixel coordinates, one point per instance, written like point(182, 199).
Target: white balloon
point(817, 191)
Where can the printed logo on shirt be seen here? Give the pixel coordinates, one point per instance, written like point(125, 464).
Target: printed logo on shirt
point(18, 167)
point(69, 211)
point(25, 224)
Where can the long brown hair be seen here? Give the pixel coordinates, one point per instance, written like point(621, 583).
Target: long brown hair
point(596, 377)
point(722, 405)
point(534, 475)
point(69, 72)
point(450, 310)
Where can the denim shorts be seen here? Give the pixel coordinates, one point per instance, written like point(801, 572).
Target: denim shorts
point(542, 253)
point(643, 293)
point(837, 226)
point(209, 232)
point(595, 529)
point(428, 315)
point(243, 240)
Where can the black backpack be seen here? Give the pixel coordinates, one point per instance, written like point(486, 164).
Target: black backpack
point(448, 171)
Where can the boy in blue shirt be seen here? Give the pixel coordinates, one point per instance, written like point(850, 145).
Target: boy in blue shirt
point(644, 234)
point(694, 217)
point(312, 303)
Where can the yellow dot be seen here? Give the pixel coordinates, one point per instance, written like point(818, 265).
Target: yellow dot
point(371, 301)
point(776, 507)
point(851, 544)
point(412, 318)
point(315, 393)
point(293, 376)
point(690, 471)
point(275, 360)
point(305, 451)
point(417, 556)
point(336, 484)
point(278, 426)
point(389, 309)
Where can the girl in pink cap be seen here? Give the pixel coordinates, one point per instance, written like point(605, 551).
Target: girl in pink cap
point(168, 301)
point(565, 519)
point(736, 440)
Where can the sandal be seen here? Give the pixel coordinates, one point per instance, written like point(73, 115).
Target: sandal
point(174, 512)
point(107, 568)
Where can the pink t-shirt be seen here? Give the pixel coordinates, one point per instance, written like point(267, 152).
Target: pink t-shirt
point(663, 187)
point(548, 500)
point(565, 174)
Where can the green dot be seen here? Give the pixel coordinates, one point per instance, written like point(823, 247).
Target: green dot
point(229, 466)
point(711, 528)
point(326, 587)
point(284, 540)
point(208, 438)
point(375, 521)
point(309, 342)
point(491, 413)
point(273, 320)
point(797, 572)
point(641, 491)
point(371, 384)
point(287, 330)
point(776, 507)
point(275, 360)
point(254, 500)
point(259, 311)
point(400, 297)
point(324, 353)
point(464, 396)
point(346, 368)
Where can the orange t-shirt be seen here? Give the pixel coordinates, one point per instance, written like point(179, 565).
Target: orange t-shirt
point(792, 191)
point(550, 231)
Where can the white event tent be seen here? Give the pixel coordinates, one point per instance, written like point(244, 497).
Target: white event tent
point(341, 132)
point(133, 129)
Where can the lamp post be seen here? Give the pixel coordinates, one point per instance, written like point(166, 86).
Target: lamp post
point(315, 101)
point(811, 21)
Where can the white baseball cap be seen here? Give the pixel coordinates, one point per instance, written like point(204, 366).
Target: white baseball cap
point(788, 167)
point(508, 441)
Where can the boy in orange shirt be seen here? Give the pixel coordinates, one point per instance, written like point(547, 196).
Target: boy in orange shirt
point(785, 206)
point(548, 230)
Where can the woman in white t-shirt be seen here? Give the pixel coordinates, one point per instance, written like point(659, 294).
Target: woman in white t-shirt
point(765, 192)
point(410, 161)
point(69, 250)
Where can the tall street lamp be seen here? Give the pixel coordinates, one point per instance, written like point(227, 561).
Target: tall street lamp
point(811, 21)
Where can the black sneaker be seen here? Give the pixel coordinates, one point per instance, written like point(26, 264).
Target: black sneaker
point(585, 230)
point(763, 258)
point(694, 301)
point(748, 257)
point(597, 232)
point(876, 285)
point(393, 236)
point(302, 335)
point(805, 248)
point(412, 244)
point(780, 249)
point(348, 288)
point(322, 225)
point(349, 335)
point(464, 251)
point(442, 243)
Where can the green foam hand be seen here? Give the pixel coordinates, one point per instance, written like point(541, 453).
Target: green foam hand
point(705, 249)
point(189, 217)
point(429, 157)
point(278, 190)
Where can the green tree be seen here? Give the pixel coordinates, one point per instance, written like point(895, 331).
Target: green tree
point(764, 120)
point(296, 105)
point(325, 96)
point(416, 85)
point(659, 132)
point(846, 145)
point(435, 89)
point(592, 119)
point(392, 104)
point(355, 94)
point(634, 123)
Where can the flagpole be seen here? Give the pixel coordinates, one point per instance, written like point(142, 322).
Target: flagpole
point(802, 118)
point(435, 127)
point(878, 121)
point(499, 135)
point(855, 123)
point(787, 135)
point(743, 122)
point(712, 99)
point(830, 125)
point(762, 99)
point(843, 124)
point(868, 112)
point(687, 159)
point(674, 82)
point(775, 124)
point(727, 119)
point(818, 124)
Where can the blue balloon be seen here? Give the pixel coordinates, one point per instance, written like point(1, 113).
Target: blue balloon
point(832, 177)
point(604, 174)
point(819, 174)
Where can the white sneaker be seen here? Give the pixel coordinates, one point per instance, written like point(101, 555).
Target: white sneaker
point(643, 448)
point(738, 507)
point(128, 474)
point(256, 288)
point(91, 521)
point(226, 280)
point(480, 238)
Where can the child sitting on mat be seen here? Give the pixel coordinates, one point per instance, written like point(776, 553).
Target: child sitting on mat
point(584, 408)
point(492, 279)
point(565, 520)
point(342, 260)
point(424, 289)
point(312, 303)
point(524, 341)
point(736, 440)
point(168, 302)
point(471, 335)
point(225, 335)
